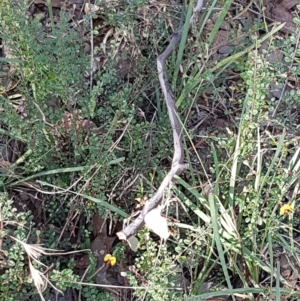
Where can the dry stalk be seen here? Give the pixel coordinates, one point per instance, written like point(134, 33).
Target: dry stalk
point(177, 162)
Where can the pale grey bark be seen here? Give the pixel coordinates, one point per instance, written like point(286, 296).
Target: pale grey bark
point(177, 162)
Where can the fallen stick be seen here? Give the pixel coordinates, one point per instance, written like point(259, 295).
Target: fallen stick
point(177, 162)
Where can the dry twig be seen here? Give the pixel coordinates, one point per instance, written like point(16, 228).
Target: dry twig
point(177, 162)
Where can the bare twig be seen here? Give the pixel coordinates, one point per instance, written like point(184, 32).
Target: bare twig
point(43, 115)
point(177, 162)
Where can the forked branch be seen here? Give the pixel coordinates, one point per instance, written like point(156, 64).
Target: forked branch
point(177, 162)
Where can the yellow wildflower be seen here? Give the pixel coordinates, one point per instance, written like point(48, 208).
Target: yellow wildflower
point(110, 260)
point(285, 209)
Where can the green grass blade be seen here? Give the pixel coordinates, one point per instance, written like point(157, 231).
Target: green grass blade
point(294, 167)
point(242, 278)
point(271, 255)
point(244, 292)
point(277, 292)
point(11, 60)
point(194, 81)
point(295, 162)
point(104, 204)
point(214, 218)
point(95, 200)
point(219, 21)
point(207, 267)
point(188, 158)
point(236, 155)
point(65, 170)
point(217, 170)
point(203, 201)
point(274, 159)
point(182, 43)
point(226, 222)
point(192, 206)
point(49, 4)
point(208, 12)
point(9, 134)
point(261, 264)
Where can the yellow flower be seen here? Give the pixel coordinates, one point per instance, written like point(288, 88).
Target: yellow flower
point(110, 260)
point(285, 209)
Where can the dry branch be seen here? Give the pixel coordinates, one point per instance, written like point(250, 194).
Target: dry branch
point(177, 162)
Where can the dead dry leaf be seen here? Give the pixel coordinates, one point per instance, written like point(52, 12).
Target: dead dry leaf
point(289, 269)
point(81, 125)
point(222, 38)
point(157, 223)
point(4, 163)
point(91, 8)
point(280, 12)
point(288, 4)
point(99, 225)
point(133, 243)
point(98, 247)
